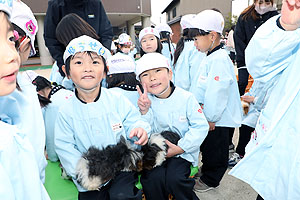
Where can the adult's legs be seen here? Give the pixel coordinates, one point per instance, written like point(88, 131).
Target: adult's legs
point(243, 80)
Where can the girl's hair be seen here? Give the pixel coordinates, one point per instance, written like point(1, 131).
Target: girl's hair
point(165, 37)
point(250, 11)
point(21, 34)
point(158, 50)
point(180, 44)
point(67, 64)
point(119, 48)
point(72, 26)
point(116, 80)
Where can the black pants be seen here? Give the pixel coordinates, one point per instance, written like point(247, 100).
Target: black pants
point(215, 156)
point(122, 187)
point(243, 80)
point(231, 132)
point(245, 135)
point(172, 177)
point(259, 197)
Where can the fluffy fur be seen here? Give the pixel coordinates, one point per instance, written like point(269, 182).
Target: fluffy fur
point(96, 167)
point(156, 149)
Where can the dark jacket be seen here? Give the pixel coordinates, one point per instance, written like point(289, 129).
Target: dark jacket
point(92, 11)
point(244, 30)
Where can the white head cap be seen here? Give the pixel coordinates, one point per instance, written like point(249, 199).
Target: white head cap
point(186, 21)
point(209, 20)
point(6, 6)
point(82, 44)
point(163, 27)
point(125, 39)
point(147, 31)
point(23, 17)
point(150, 61)
point(120, 63)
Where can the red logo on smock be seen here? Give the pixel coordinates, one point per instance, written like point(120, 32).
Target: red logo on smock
point(200, 110)
point(217, 78)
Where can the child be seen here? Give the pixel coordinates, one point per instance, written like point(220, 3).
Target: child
point(121, 76)
point(186, 58)
point(52, 97)
point(217, 92)
point(272, 165)
point(149, 39)
point(170, 108)
point(168, 48)
point(100, 118)
point(125, 45)
point(19, 173)
point(26, 113)
point(72, 26)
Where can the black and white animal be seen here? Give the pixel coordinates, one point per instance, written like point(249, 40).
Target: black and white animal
point(96, 167)
point(155, 151)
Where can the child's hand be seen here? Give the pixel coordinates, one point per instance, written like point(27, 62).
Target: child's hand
point(141, 134)
point(290, 14)
point(211, 126)
point(173, 149)
point(144, 102)
point(248, 99)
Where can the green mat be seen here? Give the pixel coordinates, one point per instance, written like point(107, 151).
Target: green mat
point(58, 188)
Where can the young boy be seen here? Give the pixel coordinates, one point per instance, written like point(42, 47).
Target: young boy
point(217, 92)
point(95, 116)
point(19, 173)
point(170, 108)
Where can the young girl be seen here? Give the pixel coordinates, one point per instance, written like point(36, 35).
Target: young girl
point(121, 76)
point(125, 45)
point(248, 22)
point(168, 48)
point(26, 113)
point(19, 173)
point(272, 165)
point(100, 118)
point(149, 39)
point(52, 97)
point(186, 58)
point(170, 108)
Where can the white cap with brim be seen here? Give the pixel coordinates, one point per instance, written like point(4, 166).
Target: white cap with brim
point(209, 20)
point(85, 43)
point(125, 39)
point(163, 27)
point(120, 63)
point(150, 61)
point(148, 31)
point(23, 17)
point(186, 21)
point(6, 6)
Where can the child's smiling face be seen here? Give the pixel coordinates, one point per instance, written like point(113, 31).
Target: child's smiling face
point(86, 70)
point(157, 81)
point(9, 57)
point(149, 43)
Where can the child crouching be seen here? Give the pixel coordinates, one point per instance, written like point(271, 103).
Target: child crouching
point(170, 108)
point(95, 116)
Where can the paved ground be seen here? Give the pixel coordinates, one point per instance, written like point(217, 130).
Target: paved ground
point(230, 187)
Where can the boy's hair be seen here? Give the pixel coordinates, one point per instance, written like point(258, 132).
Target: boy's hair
point(158, 50)
point(72, 26)
point(250, 12)
point(67, 64)
point(196, 32)
point(115, 80)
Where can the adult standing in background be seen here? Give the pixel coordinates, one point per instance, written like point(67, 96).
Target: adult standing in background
point(92, 11)
point(248, 22)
